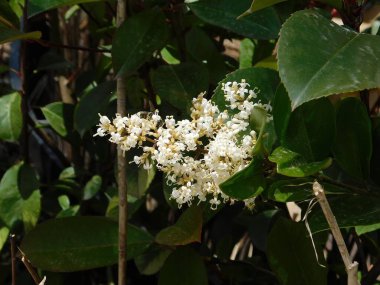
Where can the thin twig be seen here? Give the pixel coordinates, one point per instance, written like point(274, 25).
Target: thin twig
point(121, 163)
point(78, 48)
point(37, 279)
point(351, 267)
point(13, 257)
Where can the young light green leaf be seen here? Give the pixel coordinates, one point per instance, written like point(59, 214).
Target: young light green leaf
point(292, 256)
point(92, 187)
point(4, 236)
point(60, 117)
point(264, 24)
point(292, 164)
point(13, 206)
point(246, 53)
point(184, 266)
point(10, 116)
point(339, 60)
point(246, 183)
point(352, 147)
point(80, 243)
point(186, 230)
point(136, 40)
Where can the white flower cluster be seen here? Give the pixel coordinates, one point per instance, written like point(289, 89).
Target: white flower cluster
point(198, 154)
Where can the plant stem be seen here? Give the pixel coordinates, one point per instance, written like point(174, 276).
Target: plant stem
point(351, 267)
point(78, 48)
point(24, 141)
point(121, 164)
point(13, 258)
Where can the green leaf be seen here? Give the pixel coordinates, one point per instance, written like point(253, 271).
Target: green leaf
point(349, 211)
point(152, 260)
point(257, 5)
point(311, 130)
point(246, 183)
point(281, 111)
point(318, 58)
point(64, 202)
point(186, 230)
point(203, 50)
point(265, 80)
point(246, 53)
point(13, 207)
point(299, 189)
point(39, 6)
point(60, 117)
point(264, 24)
point(139, 180)
point(184, 266)
point(291, 255)
point(4, 235)
point(10, 116)
point(293, 164)
point(136, 40)
point(79, 243)
point(7, 16)
point(353, 141)
point(8, 34)
point(69, 212)
point(179, 84)
point(86, 113)
point(92, 187)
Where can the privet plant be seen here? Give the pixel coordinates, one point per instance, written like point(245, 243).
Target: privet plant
point(234, 111)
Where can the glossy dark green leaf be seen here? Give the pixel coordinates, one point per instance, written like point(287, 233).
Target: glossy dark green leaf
point(293, 164)
point(13, 206)
point(264, 24)
point(79, 243)
point(87, 111)
point(353, 141)
point(184, 266)
point(136, 40)
point(179, 84)
point(318, 58)
point(257, 5)
point(299, 189)
point(8, 34)
point(281, 111)
point(263, 79)
point(311, 129)
point(92, 187)
point(349, 211)
point(10, 117)
point(152, 260)
point(60, 117)
point(291, 255)
point(203, 50)
point(39, 6)
point(246, 183)
point(375, 161)
point(186, 230)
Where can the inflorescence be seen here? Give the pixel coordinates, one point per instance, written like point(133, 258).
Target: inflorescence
point(195, 155)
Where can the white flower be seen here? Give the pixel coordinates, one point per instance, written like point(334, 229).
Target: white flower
point(195, 155)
